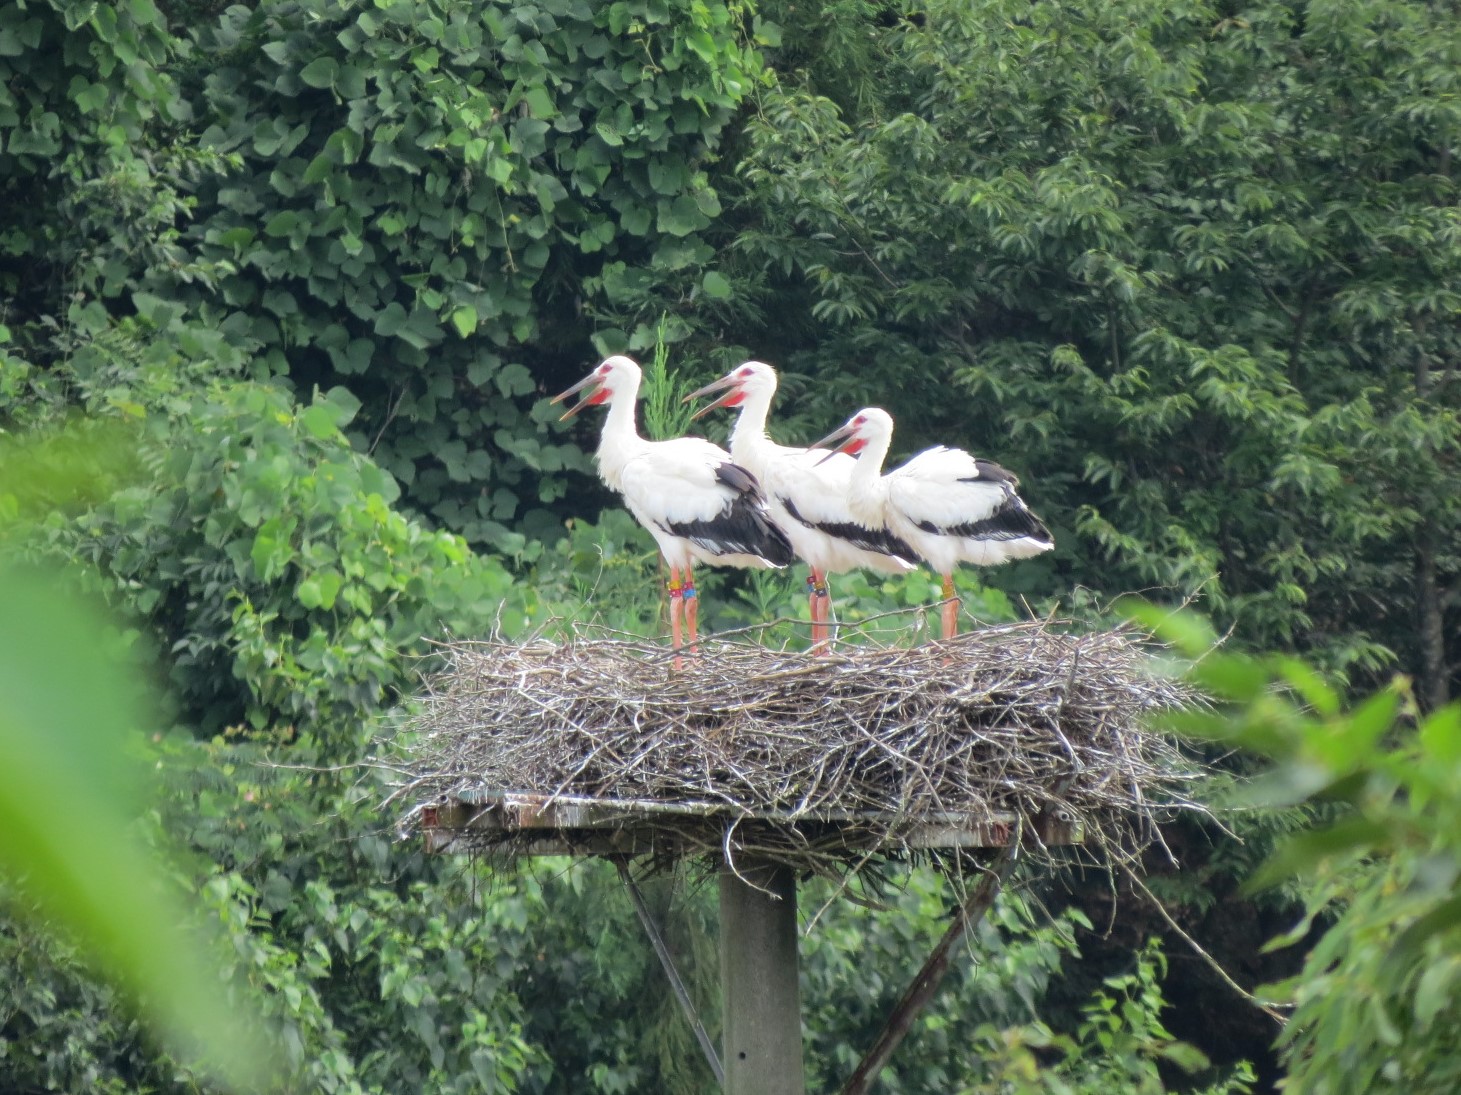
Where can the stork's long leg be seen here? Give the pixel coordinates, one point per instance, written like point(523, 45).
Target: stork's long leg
point(818, 603)
point(812, 605)
point(677, 605)
point(692, 608)
point(950, 608)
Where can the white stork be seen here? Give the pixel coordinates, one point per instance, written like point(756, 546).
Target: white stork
point(806, 491)
point(952, 507)
point(696, 503)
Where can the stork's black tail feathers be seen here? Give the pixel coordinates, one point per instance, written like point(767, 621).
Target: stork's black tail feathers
point(764, 537)
point(1015, 519)
point(1011, 520)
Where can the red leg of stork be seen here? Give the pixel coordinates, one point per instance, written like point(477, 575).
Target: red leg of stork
point(677, 607)
point(692, 609)
point(950, 608)
point(818, 603)
point(812, 606)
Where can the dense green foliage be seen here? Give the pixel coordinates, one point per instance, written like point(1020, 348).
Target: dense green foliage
point(426, 191)
point(1197, 270)
point(1374, 1004)
point(281, 288)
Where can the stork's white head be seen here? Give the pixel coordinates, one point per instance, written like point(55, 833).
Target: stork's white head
point(867, 426)
point(614, 375)
point(746, 381)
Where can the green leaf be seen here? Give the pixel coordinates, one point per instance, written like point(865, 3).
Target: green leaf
point(715, 285)
point(1302, 854)
point(1445, 917)
point(767, 33)
point(271, 551)
point(1355, 735)
point(320, 72)
point(540, 103)
point(1440, 735)
point(309, 593)
point(328, 583)
point(1186, 1057)
point(319, 420)
point(346, 405)
point(1292, 783)
point(1232, 676)
point(1184, 629)
point(1436, 989)
point(350, 82)
point(391, 319)
point(1310, 685)
point(318, 169)
point(636, 221)
point(464, 319)
point(681, 216)
point(281, 224)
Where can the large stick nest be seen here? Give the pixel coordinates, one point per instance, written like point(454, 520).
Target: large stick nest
point(807, 759)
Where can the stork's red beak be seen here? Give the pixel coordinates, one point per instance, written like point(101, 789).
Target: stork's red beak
point(597, 394)
point(730, 399)
point(849, 442)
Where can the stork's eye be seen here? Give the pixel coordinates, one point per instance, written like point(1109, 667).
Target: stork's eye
point(605, 369)
point(859, 420)
point(747, 373)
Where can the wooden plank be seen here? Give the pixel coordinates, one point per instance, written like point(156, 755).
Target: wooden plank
point(604, 842)
point(578, 826)
point(524, 809)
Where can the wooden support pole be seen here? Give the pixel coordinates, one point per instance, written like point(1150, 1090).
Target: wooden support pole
point(921, 990)
point(762, 1043)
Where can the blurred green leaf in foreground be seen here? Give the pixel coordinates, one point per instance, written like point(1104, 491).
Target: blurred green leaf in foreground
point(1378, 863)
point(71, 794)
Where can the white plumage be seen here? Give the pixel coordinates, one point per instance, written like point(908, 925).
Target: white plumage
point(951, 507)
point(697, 503)
point(806, 492)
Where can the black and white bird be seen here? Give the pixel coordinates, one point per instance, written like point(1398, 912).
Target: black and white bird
point(807, 493)
point(695, 501)
point(950, 506)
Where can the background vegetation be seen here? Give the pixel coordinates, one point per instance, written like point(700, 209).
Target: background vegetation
point(282, 287)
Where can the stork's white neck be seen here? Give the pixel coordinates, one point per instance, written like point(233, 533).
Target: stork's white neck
point(866, 492)
point(748, 438)
point(619, 441)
